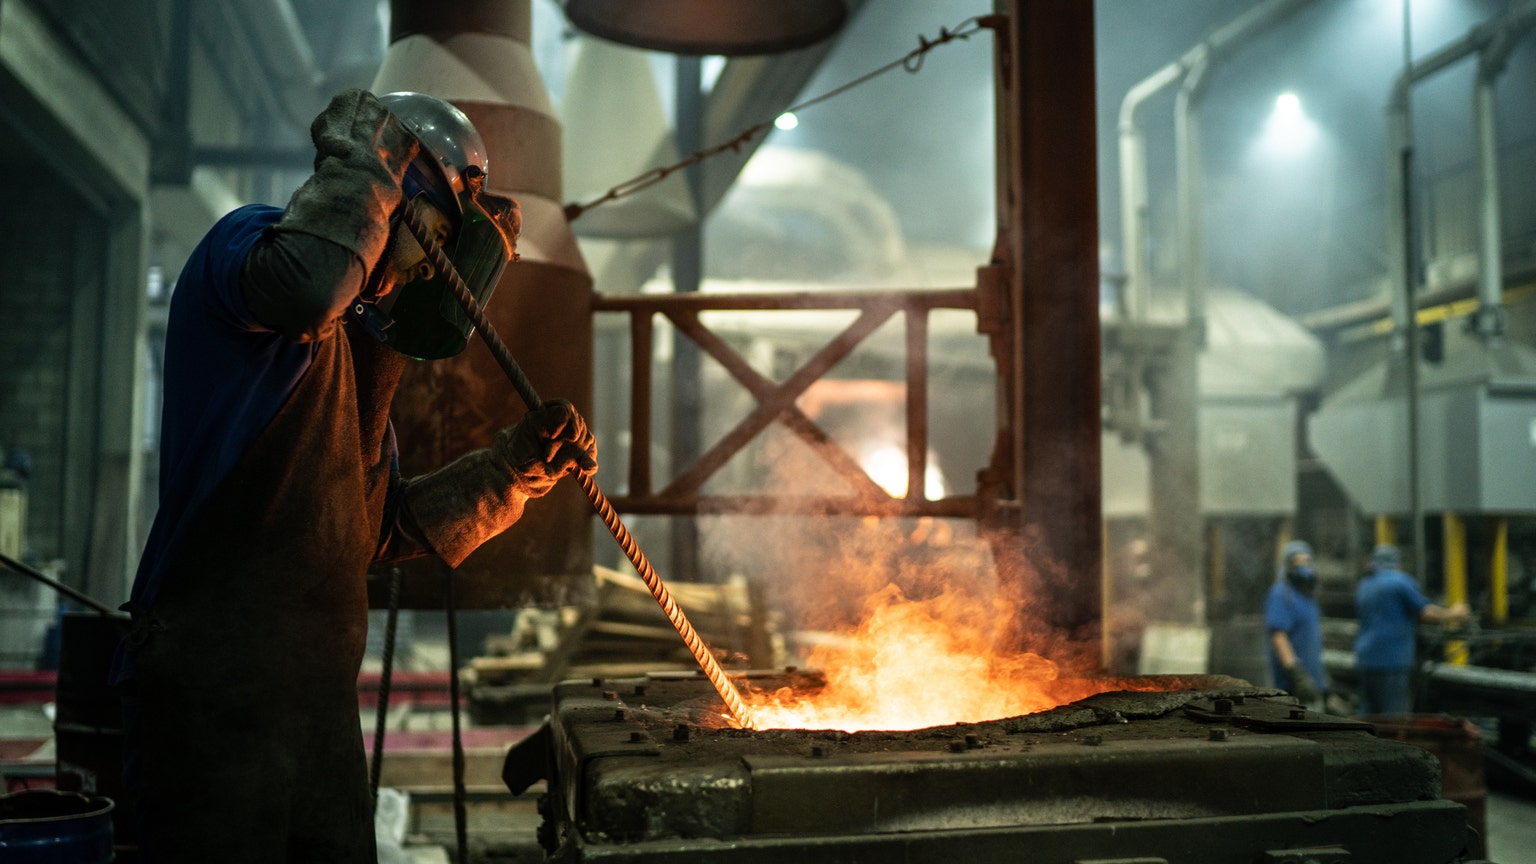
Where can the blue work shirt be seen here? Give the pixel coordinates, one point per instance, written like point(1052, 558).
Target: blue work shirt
point(226, 375)
point(1297, 615)
point(1388, 603)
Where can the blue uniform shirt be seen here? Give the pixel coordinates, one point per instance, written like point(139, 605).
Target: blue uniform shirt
point(226, 376)
point(1388, 603)
point(1296, 614)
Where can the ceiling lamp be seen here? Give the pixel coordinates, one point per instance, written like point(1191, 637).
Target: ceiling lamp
point(728, 27)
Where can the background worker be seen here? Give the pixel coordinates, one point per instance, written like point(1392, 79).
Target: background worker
point(1295, 627)
point(1390, 605)
point(279, 487)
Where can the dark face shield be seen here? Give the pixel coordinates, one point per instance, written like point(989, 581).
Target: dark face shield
point(424, 319)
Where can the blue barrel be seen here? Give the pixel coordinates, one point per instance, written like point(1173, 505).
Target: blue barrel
point(46, 826)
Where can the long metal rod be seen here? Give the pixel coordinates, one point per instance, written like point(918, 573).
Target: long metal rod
point(56, 585)
point(605, 511)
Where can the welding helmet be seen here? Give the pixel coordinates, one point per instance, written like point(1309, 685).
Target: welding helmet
point(421, 318)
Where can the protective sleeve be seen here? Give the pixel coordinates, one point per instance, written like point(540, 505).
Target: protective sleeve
point(298, 286)
point(453, 510)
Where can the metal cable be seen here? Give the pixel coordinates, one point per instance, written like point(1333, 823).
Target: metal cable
point(386, 675)
point(912, 61)
point(701, 653)
point(460, 818)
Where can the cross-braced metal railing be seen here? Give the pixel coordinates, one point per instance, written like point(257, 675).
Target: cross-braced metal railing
point(777, 402)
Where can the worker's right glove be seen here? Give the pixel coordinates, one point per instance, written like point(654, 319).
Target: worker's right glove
point(477, 496)
point(1302, 685)
point(550, 442)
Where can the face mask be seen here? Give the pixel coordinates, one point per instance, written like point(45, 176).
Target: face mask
point(1303, 578)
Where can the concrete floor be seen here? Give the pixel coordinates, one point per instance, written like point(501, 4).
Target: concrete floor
point(1511, 829)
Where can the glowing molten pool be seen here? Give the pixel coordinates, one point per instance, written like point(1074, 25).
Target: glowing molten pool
point(912, 665)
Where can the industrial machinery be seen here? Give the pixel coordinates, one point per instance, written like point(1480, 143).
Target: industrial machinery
point(1212, 770)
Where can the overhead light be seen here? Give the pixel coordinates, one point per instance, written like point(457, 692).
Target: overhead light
point(1288, 131)
point(786, 121)
point(698, 27)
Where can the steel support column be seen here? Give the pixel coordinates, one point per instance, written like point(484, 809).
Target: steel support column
point(1048, 485)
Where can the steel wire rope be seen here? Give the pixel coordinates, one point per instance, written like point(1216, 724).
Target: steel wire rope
point(701, 653)
point(912, 61)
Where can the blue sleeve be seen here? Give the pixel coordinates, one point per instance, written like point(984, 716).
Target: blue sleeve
point(1413, 599)
point(225, 377)
point(1278, 614)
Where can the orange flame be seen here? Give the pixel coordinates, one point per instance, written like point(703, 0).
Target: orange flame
point(915, 664)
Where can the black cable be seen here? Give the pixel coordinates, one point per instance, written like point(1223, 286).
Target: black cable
point(386, 674)
point(460, 826)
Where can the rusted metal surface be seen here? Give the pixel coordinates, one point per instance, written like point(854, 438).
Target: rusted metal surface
point(776, 402)
point(1045, 477)
point(642, 772)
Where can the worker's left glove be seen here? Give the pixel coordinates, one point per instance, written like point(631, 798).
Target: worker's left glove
point(1302, 685)
point(477, 496)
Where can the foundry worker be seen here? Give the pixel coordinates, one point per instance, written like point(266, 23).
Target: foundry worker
point(279, 484)
point(1389, 605)
point(1295, 626)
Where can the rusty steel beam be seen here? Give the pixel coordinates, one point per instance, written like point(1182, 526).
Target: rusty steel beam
point(952, 298)
point(917, 404)
point(958, 507)
point(1047, 470)
point(641, 338)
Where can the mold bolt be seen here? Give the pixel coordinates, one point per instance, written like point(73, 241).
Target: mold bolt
point(1218, 734)
point(639, 689)
point(1298, 713)
point(636, 736)
point(972, 742)
point(1223, 706)
point(620, 714)
point(681, 732)
point(1093, 740)
point(957, 746)
point(610, 695)
point(818, 751)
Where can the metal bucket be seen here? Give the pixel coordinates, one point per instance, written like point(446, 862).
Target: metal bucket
point(1458, 746)
point(46, 826)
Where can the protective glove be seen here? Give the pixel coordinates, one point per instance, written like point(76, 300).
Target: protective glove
point(550, 442)
point(1302, 685)
point(361, 152)
point(477, 496)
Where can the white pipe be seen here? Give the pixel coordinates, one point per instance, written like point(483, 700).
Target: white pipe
point(1493, 38)
point(1133, 170)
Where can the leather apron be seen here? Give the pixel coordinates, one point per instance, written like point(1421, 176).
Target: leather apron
point(247, 685)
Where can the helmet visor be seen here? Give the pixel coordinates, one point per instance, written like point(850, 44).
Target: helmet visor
point(427, 321)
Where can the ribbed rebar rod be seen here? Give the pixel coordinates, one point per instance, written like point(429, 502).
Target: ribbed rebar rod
point(701, 653)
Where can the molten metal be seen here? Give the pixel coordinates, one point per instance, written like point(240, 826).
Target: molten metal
point(917, 664)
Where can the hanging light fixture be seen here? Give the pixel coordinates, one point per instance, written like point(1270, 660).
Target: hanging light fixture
point(729, 27)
